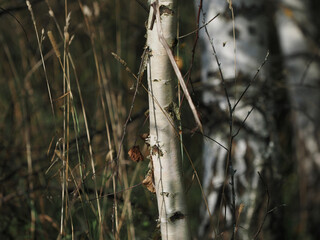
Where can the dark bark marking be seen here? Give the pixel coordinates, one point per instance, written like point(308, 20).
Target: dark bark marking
point(176, 216)
point(156, 150)
point(166, 10)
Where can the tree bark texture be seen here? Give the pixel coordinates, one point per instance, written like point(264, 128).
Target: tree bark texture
point(164, 137)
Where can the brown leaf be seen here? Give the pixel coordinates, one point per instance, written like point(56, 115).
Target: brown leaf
point(148, 182)
point(135, 154)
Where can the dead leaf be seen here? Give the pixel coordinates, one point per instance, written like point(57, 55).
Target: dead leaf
point(135, 154)
point(148, 182)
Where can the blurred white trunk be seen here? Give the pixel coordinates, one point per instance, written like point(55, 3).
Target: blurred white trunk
point(265, 143)
point(164, 141)
point(302, 71)
point(252, 146)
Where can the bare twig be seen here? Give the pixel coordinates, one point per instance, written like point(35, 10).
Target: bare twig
point(243, 122)
point(249, 84)
point(143, 5)
point(256, 235)
point(267, 208)
point(138, 79)
point(199, 28)
point(188, 74)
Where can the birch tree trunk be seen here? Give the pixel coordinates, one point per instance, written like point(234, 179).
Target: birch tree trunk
point(164, 141)
point(241, 47)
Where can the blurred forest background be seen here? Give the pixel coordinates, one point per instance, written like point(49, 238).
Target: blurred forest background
point(65, 134)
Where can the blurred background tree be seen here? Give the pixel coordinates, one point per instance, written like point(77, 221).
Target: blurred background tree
point(273, 161)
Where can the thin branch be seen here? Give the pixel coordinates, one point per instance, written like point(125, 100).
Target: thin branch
point(243, 122)
point(143, 5)
point(193, 51)
point(219, 67)
point(267, 211)
point(249, 84)
point(206, 136)
point(174, 65)
point(138, 79)
point(17, 20)
point(267, 208)
point(199, 28)
point(16, 8)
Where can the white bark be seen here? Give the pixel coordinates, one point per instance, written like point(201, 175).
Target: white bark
point(164, 141)
point(250, 147)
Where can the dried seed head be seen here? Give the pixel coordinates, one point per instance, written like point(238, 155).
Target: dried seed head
point(29, 5)
point(54, 44)
point(51, 13)
point(68, 20)
point(87, 11)
point(66, 38)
